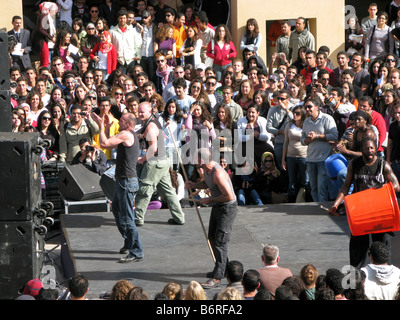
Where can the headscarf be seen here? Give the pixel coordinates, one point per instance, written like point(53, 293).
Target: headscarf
point(50, 9)
point(270, 169)
point(106, 46)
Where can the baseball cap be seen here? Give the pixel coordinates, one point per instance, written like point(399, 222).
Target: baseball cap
point(273, 77)
point(145, 14)
point(201, 66)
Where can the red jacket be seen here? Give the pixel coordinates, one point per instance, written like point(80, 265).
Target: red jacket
point(380, 124)
point(111, 57)
point(222, 56)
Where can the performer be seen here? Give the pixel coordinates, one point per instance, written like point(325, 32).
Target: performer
point(126, 183)
point(365, 172)
point(154, 169)
point(223, 212)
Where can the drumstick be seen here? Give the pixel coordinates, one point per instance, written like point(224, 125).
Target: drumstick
point(192, 200)
point(191, 194)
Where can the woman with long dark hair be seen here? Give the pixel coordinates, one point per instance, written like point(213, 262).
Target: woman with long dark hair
point(294, 153)
point(172, 124)
point(244, 98)
point(224, 126)
point(36, 107)
point(373, 69)
point(197, 91)
point(17, 122)
point(59, 116)
point(261, 99)
point(61, 49)
point(252, 38)
point(222, 50)
point(49, 132)
point(300, 62)
point(228, 79)
point(191, 47)
point(297, 91)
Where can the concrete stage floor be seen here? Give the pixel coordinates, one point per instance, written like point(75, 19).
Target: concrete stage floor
point(304, 232)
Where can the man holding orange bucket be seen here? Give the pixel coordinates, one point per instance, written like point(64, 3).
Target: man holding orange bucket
point(366, 172)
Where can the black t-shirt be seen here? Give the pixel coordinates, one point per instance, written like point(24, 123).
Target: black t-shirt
point(394, 135)
point(127, 160)
point(367, 176)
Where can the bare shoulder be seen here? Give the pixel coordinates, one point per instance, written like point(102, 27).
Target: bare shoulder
point(126, 137)
point(221, 174)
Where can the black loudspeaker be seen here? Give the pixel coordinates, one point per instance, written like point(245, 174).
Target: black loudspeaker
point(76, 182)
point(5, 111)
point(107, 182)
point(20, 172)
point(5, 101)
point(21, 255)
point(4, 58)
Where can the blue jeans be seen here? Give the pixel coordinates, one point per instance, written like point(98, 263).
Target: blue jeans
point(124, 214)
point(253, 196)
point(298, 176)
point(278, 150)
point(318, 181)
point(219, 70)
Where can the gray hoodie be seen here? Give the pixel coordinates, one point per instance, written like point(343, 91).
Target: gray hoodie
point(382, 281)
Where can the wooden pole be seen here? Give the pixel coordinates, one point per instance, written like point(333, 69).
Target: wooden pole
point(191, 195)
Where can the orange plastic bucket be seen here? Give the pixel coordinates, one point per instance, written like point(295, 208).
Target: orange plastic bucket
point(373, 211)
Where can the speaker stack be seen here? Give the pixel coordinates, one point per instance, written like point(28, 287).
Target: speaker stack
point(5, 100)
point(24, 216)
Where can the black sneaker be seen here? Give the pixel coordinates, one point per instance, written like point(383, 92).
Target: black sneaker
point(130, 258)
point(123, 250)
point(172, 221)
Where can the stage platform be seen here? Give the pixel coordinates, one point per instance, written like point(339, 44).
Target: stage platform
point(304, 232)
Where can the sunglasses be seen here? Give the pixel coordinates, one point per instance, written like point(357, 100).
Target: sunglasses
point(297, 113)
point(210, 83)
point(281, 99)
point(390, 60)
point(268, 161)
point(46, 118)
point(94, 98)
point(308, 106)
point(94, 11)
point(118, 93)
point(159, 61)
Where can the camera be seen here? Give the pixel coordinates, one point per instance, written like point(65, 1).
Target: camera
point(89, 148)
point(331, 103)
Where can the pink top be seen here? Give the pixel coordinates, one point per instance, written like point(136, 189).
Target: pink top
point(63, 55)
point(222, 56)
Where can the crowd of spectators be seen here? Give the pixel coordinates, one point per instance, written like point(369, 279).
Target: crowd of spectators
point(275, 123)
point(285, 118)
point(376, 281)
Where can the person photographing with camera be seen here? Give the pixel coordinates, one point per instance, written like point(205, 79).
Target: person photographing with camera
point(92, 158)
point(80, 126)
